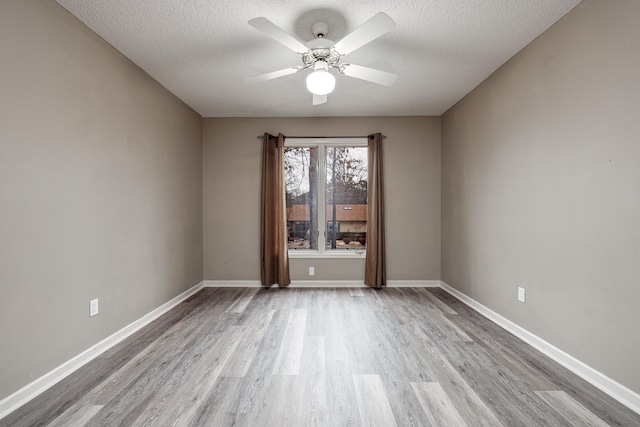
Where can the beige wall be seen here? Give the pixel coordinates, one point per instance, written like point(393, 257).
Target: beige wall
point(232, 194)
point(541, 188)
point(100, 191)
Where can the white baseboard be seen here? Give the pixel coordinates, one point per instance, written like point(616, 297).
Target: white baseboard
point(327, 284)
point(294, 284)
point(232, 283)
point(30, 391)
point(614, 389)
point(322, 283)
point(413, 283)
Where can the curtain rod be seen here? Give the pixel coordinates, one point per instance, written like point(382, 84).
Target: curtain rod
point(321, 137)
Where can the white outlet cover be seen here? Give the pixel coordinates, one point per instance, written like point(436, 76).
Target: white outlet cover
point(521, 294)
point(93, 307)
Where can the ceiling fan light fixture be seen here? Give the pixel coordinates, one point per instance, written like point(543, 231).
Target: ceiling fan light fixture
point(321, 81)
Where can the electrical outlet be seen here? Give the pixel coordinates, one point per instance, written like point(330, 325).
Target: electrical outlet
point(312, 271)
point(93, 307)
point(521, 294)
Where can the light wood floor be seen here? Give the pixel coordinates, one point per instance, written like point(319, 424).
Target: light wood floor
point(334, 357)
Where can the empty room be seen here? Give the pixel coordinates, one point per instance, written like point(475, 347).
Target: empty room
point(364, 213)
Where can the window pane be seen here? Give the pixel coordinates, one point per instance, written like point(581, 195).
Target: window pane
point(346, 198)
point(301, 181)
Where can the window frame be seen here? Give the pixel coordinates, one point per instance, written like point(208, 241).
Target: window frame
point(321, 144)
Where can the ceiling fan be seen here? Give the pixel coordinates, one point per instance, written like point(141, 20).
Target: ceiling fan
point(321, 54)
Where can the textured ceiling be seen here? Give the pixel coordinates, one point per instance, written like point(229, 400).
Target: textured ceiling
point(202, 51)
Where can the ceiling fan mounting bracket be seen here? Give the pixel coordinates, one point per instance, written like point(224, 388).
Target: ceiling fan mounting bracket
point(320, 29)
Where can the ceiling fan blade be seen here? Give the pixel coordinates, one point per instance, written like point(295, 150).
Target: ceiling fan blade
point(319, 99)
point(273, 75)
point(369, 74)
point(278, 34)
point(370, 30)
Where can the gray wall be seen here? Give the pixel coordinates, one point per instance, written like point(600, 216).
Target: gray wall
point(100, 191)
point(232, 165)
point(541, 188)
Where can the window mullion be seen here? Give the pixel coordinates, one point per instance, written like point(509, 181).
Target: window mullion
point(322, 209)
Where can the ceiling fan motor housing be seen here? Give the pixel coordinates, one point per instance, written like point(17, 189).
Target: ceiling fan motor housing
point(320, 48)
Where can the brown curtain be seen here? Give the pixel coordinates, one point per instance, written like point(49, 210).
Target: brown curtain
point(274, 259)
point(375, 271)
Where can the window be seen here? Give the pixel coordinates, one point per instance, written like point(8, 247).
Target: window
point(326, 184)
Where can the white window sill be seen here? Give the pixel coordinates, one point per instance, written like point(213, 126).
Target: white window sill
point(337, 254)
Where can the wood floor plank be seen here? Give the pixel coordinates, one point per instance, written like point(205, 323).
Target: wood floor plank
point(342, 409)
point(298, 400)
point(282, 410)
point(425, 312)
point(313, 359)
point(373, 405)
point(76, 418)
point(334, 336)
point(389, 300)
point(219, 406)
point(253, 391)
point(241, 303)
point(497, 344)
point(373, 299)
point(317, 318)
point(404, 404)
point(358, 340)
point(311, 390)
point(311, 408)
point(334, 357)
point(448, 330)
point(393, 355)
point(186, 388)
point(494, 383)
point(472, 409)
point(356, 292)
point(288, 359)
point(437, 406)
point(569, 409)
point(247, 350)
point(428, 315)
point(253, 396)
point(427, 298)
